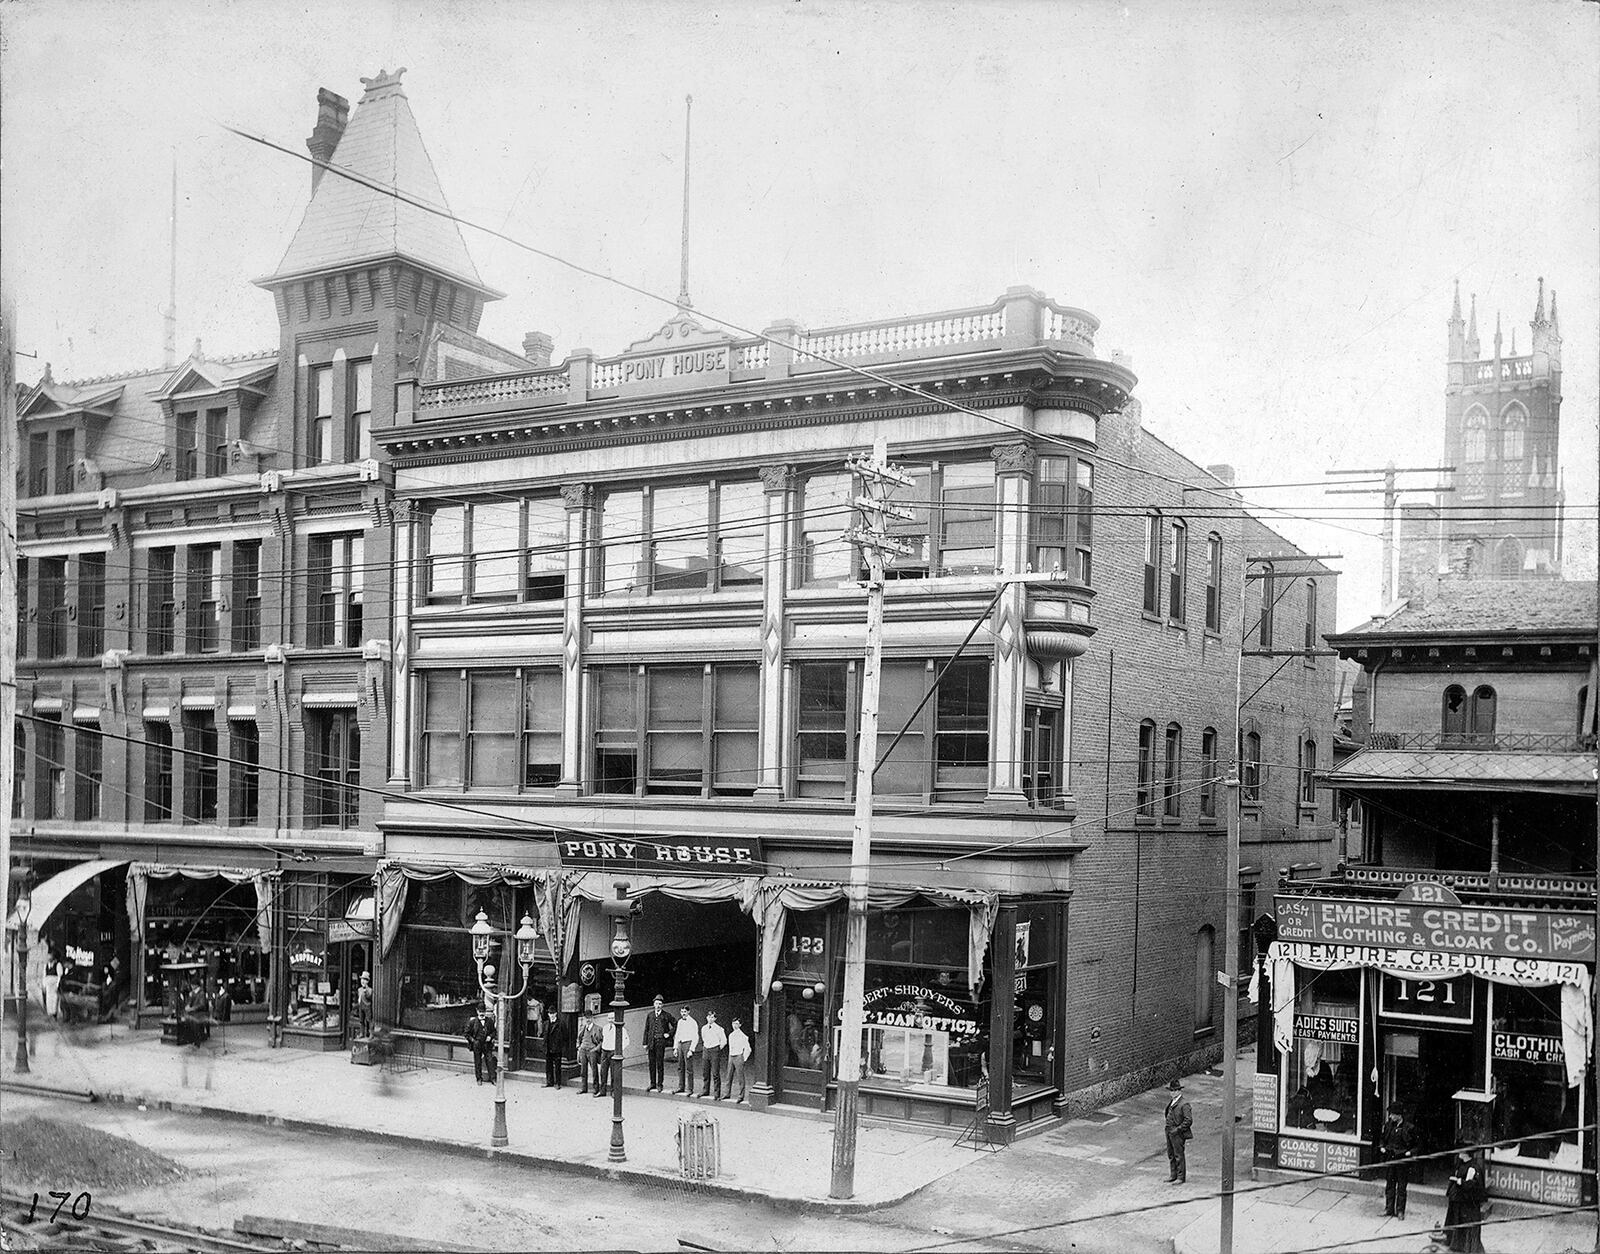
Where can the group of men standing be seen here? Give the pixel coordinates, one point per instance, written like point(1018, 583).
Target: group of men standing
point(725, 1054)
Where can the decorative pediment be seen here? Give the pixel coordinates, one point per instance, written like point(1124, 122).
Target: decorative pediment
point(200, 377)
point(680, 331)
point(48, 399)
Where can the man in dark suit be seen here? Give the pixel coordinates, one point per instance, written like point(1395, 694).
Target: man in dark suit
point(1180, 1127)
point(480, 1036)
point(556, 1040)
point(659, 1028)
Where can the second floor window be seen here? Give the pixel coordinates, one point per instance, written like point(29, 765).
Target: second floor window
point(1213, 582)
point(199, 766)
point(1468, 720)
point(52, 769)
point(676, 730)
point(1144, 804)
point(333, 796)
point(245, 603)
point(334, 592)
point(244, 776)
point(1208, 773)
point(1171, 776)
point(497, 729)
point(203, 596)
point(321, 416)
point(161, 598)
point(86, 771)
point(157, 772)
point(1063, 517)
point(91, 604)
point(53, 609)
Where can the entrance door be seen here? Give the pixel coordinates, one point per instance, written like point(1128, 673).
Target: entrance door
point(803, 1047)
point(1422, 1071)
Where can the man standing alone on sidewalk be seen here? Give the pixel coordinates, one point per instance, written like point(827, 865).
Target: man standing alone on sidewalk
point(1180, 1127)
point(738, 1055)
point(556, 1037)
point(715, 1043)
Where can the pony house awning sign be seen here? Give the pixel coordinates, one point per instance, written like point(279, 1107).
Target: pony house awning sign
point(673, 855)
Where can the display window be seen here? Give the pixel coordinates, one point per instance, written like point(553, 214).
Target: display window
point(922, 1029)
point(1033, 1043)
point(1532, 1103)
point(211, 922)
point(1322, 1078)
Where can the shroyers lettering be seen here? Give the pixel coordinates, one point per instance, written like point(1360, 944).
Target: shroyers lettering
point(917, 1006)
point(1452, 928)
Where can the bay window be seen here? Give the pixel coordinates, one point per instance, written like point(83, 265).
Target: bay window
point(1062, 518)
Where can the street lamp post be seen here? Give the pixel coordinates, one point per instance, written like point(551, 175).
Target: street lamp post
point(24, 908)
point(621, 913)
point(482, 939)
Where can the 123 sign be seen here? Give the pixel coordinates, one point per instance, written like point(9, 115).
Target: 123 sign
point(1445, 1003)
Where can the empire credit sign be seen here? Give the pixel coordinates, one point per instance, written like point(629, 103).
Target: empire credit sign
point(1445, 928)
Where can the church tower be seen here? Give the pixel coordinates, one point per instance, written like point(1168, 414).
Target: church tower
point(1502, 434)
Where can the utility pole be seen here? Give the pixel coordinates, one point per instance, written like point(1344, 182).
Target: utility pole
point(876, 478)
point(1389, 586)
point(8, 590)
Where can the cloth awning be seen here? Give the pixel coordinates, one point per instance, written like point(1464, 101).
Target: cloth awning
point(48, 896)
point(1481, 769)
point(767, 899)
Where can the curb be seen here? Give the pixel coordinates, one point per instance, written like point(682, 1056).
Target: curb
point(622, 1175)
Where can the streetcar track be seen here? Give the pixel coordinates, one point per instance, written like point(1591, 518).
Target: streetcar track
point(21, 1218)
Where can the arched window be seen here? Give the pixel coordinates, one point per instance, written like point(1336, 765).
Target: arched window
point(1144, 803)
point(1152, 563)
point(1483, 703)
point(1205, 978)
point(1513, 425)
point(1250, 768)
point(1453, 714)
point(1308, 772)
point(1172, 764)
point(1269, 600)
point(1311, 614)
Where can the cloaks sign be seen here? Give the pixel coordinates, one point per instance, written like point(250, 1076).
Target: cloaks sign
point(719, 855)
point(1454, 929)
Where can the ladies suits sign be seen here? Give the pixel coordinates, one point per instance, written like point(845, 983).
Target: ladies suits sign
point(1446, 928)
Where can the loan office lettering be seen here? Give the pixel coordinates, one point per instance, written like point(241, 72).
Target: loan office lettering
point(1452, 928)
point(908, 1006)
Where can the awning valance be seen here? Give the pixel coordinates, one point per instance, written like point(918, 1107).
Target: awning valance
point(141, 873)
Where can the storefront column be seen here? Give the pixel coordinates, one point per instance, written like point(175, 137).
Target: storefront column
point(1002, 1124)
point(1058, 1070)
point(778, 482)
point(765, 1057)
point(1013, 465)
point(577, 498)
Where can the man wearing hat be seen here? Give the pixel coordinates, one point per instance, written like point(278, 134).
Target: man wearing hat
point(659, 1029)
point(1180, 1127)
point(364, 1005)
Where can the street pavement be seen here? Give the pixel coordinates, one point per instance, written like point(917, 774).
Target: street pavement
point(1088, 1184)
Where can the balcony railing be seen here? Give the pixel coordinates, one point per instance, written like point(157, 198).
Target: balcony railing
point(1382, 881)
point(1512, 742)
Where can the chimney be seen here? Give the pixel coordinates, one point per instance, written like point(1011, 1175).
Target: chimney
point(1222, 471)
point(333, 113)
point(537, 348)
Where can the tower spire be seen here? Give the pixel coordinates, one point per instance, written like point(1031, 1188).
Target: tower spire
point(1455, 327)
point(1455, 304)
point(1538, 310)
point(683, 264)
point(1497, 335)
point(169, 316)
point(1472, 330)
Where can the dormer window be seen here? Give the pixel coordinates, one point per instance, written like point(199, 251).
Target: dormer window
point(66, 467)
point(322, 416)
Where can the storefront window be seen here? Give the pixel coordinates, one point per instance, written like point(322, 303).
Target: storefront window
point(1532, 1100)
point(439, 983)
point(1323, 1065)
point(1033, 1044)
point(210, 922)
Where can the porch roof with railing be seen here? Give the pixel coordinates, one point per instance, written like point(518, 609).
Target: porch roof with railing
point(1488, 888)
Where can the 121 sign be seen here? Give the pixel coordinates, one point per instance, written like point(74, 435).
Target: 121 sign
point(1447, 1003)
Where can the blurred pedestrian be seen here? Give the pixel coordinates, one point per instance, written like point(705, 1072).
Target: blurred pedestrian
point(556, 1039)
point(1180, 1127)
point(1397, 1141)
point(714, 1043)
point(1463, 1211)
point(659, 1028)
point(684, 1042)
point(738, 1056)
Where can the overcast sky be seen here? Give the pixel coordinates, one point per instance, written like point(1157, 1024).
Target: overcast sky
point(1265, 204)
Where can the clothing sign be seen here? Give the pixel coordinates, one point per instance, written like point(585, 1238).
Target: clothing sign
point(1327, 1028)
point(721, 855)
point(1519, 1047)
point(1463, 930)
point(1534, 1184)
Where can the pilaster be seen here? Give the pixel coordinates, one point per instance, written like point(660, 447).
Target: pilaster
point(1001, 1123)
point(404, 525)
point(778, 482)
point(578, 498)
point(1014, 465)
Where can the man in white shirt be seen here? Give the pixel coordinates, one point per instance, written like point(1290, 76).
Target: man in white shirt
point(684, 1042)
point(738, 1056)
point(714, 1042)
point(608, 1047)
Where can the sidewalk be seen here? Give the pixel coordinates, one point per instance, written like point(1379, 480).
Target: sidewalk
point(767, 1156)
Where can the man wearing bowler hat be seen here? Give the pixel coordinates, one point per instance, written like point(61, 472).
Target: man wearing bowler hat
point(1180, 1127)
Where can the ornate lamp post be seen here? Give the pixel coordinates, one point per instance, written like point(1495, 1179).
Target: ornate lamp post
point(620, 912)
point(482, 940)
point(24, 908)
